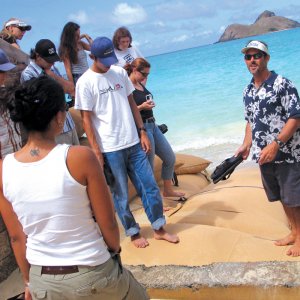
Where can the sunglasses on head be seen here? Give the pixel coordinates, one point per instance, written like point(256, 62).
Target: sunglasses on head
point(257, 55)
point(144, 73)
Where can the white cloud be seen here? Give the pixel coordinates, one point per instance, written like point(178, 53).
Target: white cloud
point(136, 43)
point(182, 10)
point(180, 38)
point(159, 24)
point(205, 33)
point(125, 14)
point(222, 28)
point(80, 17)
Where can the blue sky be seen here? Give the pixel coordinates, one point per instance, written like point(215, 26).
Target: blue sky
point(157, 26)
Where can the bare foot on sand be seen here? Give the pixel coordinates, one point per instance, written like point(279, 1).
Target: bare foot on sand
point(288, 240)
point(167, 208)
point(161, 234)
point(294, 250)
point(139, 241)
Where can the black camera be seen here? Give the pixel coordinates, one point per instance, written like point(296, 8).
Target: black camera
point(110, 179)
point(163, 128)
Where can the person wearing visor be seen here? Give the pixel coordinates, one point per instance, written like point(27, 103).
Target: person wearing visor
point(14, 30)
point(116, 133)
point(43, 57)
point(272, 113)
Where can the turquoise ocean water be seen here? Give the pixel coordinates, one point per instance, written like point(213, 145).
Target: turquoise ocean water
point(198, 92)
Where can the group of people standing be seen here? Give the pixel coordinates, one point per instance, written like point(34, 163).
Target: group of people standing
point(58, 209)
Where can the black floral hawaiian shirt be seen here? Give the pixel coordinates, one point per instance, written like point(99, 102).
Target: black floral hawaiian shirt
point(267, 109)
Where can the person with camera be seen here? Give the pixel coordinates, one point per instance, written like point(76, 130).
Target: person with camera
point(137, 71)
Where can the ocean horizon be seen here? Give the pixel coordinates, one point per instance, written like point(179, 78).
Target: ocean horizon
point(199, 92)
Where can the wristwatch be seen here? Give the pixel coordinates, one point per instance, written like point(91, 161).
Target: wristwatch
point(142, 129)
point(279, 142)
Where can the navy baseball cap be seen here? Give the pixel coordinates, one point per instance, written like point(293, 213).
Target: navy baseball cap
point(102, 48)
point(5, 64)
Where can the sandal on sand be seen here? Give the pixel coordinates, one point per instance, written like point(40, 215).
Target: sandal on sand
point(19, 296)
point(181, 199)
point(173, 210)
point(226, 168)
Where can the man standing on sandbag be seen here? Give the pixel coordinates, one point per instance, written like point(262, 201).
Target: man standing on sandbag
point(111, 120)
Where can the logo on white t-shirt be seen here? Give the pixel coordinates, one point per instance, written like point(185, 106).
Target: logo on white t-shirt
point(111, 89)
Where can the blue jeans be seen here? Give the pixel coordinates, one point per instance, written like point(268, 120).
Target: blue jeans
point(161, 147)
point(133, 162)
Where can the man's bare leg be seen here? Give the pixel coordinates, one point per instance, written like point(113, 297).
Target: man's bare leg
point(139, 241)
point(290, 238)
point(162, 234)
point(295, 249)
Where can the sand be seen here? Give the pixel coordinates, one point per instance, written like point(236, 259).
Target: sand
point(226, 231)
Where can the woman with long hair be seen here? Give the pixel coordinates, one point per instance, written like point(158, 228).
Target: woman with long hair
point(49, 194)
point(72, 50)
point(138, 71)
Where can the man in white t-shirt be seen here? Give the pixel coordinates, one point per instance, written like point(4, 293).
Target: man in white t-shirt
point(112, 121)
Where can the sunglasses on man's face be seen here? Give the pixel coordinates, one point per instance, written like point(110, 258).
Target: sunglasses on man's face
point(257, 55)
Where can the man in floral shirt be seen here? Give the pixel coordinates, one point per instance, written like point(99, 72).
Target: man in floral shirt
point(272, 112)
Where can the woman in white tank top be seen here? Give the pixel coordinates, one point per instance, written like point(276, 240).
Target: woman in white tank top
point(49, 195)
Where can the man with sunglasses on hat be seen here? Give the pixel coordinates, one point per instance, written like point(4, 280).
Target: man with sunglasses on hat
point(116, 133)
point(272, 113)
point(13, 30)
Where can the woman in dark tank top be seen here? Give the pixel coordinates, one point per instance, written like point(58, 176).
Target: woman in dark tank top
point(138, 71)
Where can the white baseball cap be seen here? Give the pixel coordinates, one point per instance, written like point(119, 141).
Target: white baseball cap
point(256, 45)
point(18, 23)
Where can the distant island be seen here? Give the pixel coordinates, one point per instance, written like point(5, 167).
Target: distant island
point(266, 22)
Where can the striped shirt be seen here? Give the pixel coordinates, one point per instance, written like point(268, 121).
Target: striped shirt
point(10, 140)
point(82, 64)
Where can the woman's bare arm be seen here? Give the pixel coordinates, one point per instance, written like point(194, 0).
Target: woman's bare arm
point(15, 231)
point(67, 65)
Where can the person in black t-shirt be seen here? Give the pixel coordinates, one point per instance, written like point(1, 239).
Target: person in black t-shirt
point(139, 70)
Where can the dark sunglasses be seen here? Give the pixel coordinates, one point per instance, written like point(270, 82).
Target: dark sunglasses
point(257, 55)
point(21, 28)
point(144, 73)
